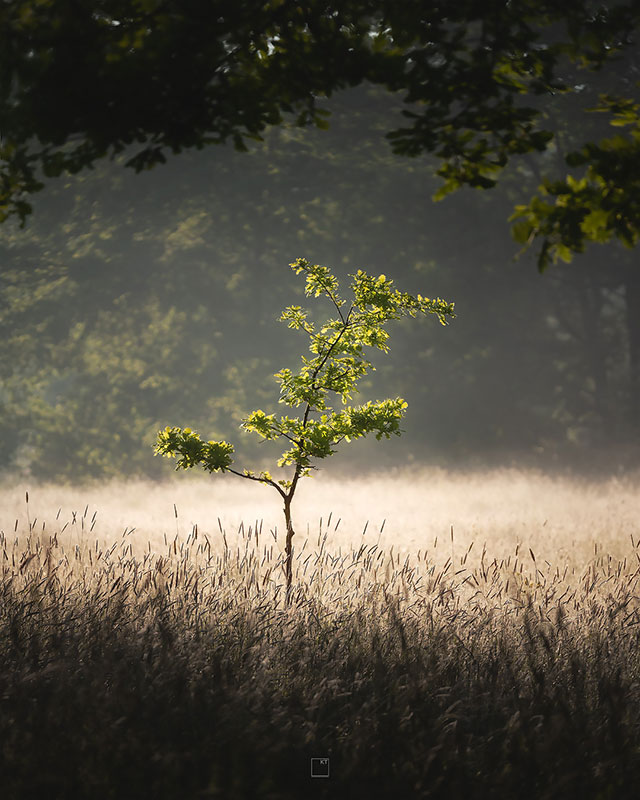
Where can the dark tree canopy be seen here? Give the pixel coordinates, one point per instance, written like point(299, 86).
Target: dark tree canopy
point(82, 81)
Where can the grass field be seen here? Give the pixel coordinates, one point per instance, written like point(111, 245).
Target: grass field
point(449, 636)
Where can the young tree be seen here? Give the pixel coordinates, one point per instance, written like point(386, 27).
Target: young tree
point(338, 361)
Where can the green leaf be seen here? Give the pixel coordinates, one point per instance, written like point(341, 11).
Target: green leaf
point(563, 252)
point(596, 225)
point(521, 231)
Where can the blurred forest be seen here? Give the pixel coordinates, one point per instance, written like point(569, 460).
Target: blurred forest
point(134, 301)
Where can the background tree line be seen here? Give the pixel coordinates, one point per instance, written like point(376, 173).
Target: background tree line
point(131, 300)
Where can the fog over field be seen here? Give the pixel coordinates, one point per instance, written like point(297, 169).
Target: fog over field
point(563, 520)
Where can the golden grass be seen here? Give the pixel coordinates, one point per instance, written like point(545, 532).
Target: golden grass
point(475, 627)
point(497, 536)
point(563, 520)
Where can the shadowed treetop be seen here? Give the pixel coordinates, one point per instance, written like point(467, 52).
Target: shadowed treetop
point(83, 81)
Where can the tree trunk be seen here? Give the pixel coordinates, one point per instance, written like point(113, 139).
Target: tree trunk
point(288, 546)
point(591, 300)
point(632, 296)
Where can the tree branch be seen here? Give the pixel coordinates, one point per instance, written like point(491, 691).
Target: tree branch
point(259, 480)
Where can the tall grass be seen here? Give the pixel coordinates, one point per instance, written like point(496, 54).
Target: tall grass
point(168, 666)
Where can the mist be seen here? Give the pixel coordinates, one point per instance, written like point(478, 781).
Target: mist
point(566, 521)
point(132, 302)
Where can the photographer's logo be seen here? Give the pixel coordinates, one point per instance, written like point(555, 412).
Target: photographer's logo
point(319, 767)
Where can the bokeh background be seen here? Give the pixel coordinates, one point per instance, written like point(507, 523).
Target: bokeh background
point(134, 301)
